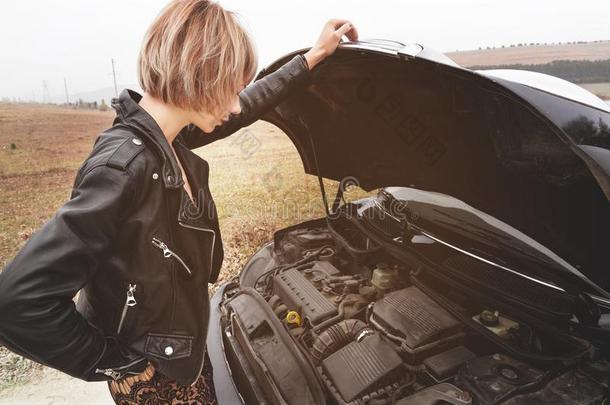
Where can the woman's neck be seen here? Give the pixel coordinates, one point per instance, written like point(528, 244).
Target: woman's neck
point(169, 118)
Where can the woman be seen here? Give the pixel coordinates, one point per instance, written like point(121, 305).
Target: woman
point(139, 237)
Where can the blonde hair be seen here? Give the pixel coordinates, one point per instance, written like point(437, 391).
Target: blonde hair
point(195, 56)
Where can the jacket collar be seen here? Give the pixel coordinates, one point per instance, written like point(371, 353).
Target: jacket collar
point(130, 113)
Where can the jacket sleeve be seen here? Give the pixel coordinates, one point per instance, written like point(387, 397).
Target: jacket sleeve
point(38, 318)
point(255, 100)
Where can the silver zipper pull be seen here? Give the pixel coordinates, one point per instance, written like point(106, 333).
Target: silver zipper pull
point(115, 375)
point(158, 243)
point(168, 253)
point(131, 299)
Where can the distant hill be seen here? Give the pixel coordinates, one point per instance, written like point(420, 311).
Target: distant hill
point(532, 54)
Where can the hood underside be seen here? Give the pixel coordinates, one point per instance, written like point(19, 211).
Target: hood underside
point(535, 160)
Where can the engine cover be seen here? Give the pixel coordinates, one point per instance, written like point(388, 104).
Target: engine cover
point(299, 294)
point(413, 316)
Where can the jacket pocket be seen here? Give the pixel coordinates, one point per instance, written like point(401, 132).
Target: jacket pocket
point(168, 346)
point(208, 245)
point(117, 361)
point(130, 301)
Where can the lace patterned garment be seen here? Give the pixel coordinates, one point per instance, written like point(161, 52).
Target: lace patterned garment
point(161, 390)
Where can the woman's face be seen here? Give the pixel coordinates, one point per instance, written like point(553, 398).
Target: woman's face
point(207, 121)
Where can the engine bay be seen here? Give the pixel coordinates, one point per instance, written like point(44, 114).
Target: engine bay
point(332, 317)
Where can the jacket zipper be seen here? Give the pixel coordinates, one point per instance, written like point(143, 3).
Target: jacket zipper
point(114, 374)
point(130, 301)
point(168, 253)
point(211, 266)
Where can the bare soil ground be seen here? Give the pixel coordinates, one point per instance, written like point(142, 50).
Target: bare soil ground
point(532, 54)
point(51, 387)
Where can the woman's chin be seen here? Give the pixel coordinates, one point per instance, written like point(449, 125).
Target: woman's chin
point(209, 127)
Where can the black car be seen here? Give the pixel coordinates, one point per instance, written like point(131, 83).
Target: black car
point(477, 272)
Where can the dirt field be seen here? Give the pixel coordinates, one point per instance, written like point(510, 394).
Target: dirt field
point(36, 176)
point(532, 54)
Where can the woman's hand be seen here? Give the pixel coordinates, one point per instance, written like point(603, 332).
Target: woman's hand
point(123, 385)
point(329, 39)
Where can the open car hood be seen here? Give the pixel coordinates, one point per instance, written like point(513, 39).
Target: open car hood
point(529, 149)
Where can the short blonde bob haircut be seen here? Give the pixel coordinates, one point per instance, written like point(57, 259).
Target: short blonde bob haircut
point(196, 56)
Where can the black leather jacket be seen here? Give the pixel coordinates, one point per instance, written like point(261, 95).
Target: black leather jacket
point(139, 252)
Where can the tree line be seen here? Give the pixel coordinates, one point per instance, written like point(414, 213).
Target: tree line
point(520, 44)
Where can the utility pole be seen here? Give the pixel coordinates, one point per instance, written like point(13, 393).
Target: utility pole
point(46, 96)
point(116, 90)
point(66, 89)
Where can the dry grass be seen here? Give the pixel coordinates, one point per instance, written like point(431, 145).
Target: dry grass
point(534, 54)
point(256, 177)
point(36, 176)
point(46, 137)
point(258, 190)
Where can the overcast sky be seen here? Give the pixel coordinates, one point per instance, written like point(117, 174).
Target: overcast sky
point(52, 39)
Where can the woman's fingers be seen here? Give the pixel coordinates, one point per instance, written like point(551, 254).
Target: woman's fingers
point(124, 384)
point(329, 39)
point(348, 30)
point(150, 371)
point(345, 27)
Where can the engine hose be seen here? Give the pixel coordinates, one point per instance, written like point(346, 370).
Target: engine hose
point(301, 262)
point(332, 320)
point(335, 337)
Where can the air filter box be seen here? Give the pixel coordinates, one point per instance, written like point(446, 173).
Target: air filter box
point(424, 327)
point(360, 367)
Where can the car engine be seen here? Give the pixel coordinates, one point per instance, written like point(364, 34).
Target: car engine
point(373, 330)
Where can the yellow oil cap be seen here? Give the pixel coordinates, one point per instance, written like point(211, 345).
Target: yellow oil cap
point(293, 318)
